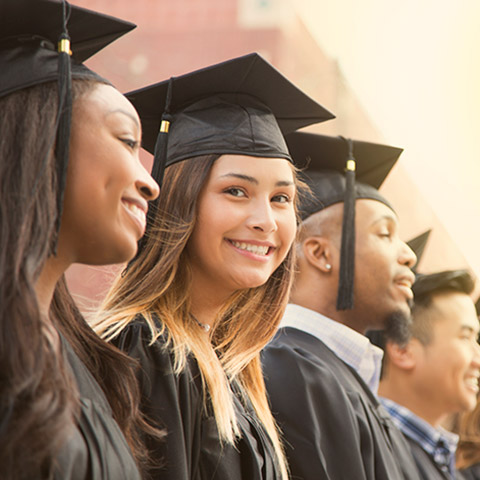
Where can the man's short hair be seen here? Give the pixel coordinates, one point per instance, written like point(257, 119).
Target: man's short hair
point(425, 289)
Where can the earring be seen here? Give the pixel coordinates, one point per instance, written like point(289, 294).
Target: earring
point(328, 266)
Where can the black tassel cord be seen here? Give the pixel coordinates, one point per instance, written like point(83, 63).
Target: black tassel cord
point(158, 168)
point(64, 115)
point(347, 253)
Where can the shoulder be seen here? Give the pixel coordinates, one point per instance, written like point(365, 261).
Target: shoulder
point(156, 357)
point(137, 339)
point(297, 353)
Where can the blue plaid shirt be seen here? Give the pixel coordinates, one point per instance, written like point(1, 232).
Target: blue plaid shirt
point(350, 346)
point(440, 444)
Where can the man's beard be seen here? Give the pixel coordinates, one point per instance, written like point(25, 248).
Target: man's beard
point(397, 327)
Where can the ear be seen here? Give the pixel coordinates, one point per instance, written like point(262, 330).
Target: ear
point(318, 253)
point(403, 357)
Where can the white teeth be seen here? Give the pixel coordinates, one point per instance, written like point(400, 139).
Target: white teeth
point(137, 211)
point(472, 382)
point(256, 249)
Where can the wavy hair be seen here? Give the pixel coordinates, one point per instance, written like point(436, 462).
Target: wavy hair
point(468, 428)
point(39, 400)
point(157, 283)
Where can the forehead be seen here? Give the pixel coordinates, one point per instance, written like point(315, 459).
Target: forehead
point(103, 100)
point(372, 211)
point(456, 311)
point(256, 167)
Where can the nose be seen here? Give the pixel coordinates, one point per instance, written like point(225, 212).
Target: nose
point(476, 355)
point(146, 185)
point(262, 217)
point(407, 256)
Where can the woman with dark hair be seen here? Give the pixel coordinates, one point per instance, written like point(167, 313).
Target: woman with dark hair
point(67, 400)
point(209, 286)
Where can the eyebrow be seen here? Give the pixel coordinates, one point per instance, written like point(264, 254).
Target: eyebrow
point(390, 218)
point(248, 178)
point(128, 114)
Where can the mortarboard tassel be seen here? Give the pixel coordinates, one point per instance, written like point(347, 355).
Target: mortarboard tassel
point(160, 152)
point(347, 252)
point(158, 168)
point(64, 115)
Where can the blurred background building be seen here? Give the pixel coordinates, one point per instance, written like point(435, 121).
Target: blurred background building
point(404, 73)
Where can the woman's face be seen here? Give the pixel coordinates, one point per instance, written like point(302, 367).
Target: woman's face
point(245, 224)
point(107, 187)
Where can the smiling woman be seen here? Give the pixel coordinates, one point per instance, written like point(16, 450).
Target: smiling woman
point(208, 288)
point(246, 224)
point(69, 172)
point(106, 204)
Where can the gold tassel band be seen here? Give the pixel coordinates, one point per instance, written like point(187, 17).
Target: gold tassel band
point(351, 165)
point(164, 126)
point(64, 46)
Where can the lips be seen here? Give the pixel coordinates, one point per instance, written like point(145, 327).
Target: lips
point(471, 381)
point(405, 282)
point(258, 248)
point(137, 209)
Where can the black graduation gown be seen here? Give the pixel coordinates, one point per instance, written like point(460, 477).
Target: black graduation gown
point(97, 448)
point(333, 425)
point(192, 449)
point(428, 469)
point(471, 473)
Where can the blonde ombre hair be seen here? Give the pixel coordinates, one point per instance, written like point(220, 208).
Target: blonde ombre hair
point(156, 286)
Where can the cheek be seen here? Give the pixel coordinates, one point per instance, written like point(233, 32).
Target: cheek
point(287, 227)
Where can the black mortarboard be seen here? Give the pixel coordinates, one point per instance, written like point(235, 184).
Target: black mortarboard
point(46, 40)
point(234, 107)
point(418, 245)
point(341, 170)
point(242, 106)
point(30, 31)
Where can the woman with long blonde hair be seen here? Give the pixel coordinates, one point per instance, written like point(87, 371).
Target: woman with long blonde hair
point(208, 288)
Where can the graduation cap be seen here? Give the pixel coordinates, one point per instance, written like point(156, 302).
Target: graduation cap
point(240, 106)
point(47, 40)
point(418, 245)
point(340, 170)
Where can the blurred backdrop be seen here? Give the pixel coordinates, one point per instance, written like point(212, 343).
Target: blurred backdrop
point(404, 73)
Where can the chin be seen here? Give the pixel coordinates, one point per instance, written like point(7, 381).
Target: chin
point(112, 256)
point(397, 325)
point(251, 282)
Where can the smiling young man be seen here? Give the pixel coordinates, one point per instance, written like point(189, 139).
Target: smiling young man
point(321, 372)
point(436, 372)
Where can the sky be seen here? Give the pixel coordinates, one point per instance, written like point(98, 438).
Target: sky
point(415, 67)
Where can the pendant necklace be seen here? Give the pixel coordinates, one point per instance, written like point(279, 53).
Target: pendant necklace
point(204, 326)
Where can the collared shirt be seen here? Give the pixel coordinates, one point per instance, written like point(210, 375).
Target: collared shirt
point(439, 443)
point(350, 346)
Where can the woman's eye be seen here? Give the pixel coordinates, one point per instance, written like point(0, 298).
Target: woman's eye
point(129, 142)
point(235, 192)
point(282, 198)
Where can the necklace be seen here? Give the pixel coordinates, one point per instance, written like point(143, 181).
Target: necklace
point(204, 326)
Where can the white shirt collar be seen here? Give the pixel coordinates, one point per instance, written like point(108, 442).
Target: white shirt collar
point(350, 346)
